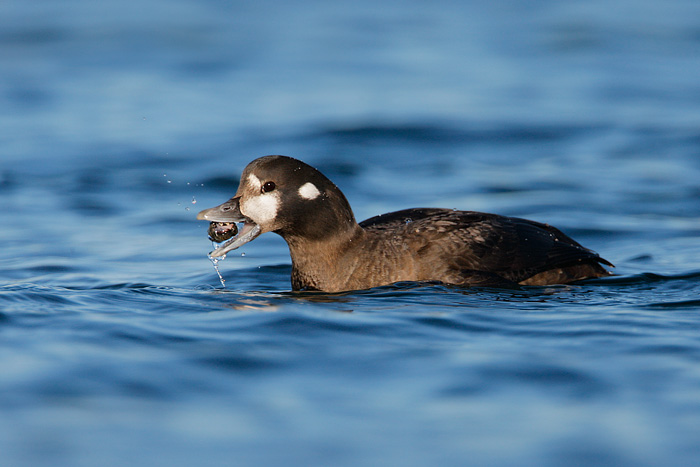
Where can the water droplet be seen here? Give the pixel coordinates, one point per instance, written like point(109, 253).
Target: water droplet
point(408, 220)
point(242, 254)
point(215, 262)
point(194, 201)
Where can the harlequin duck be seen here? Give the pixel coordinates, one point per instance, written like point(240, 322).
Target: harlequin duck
point(331, 252)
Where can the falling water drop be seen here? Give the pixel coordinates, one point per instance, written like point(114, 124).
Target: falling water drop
point(215, 262)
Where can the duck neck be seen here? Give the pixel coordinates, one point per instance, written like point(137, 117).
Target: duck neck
point(327, 263)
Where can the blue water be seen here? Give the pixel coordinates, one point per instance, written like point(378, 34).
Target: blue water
point(119, 121)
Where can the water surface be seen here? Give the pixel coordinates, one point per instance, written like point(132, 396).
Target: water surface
point(120, 121)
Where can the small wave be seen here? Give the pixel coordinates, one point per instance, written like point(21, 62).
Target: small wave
point(680, 304)
point(646, 278)
point(501, 132)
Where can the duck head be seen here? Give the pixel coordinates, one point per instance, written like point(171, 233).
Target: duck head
point(283, 195)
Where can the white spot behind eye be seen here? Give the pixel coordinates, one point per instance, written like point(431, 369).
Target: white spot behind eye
point(309, 191)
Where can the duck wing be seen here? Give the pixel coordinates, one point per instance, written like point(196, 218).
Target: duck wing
point(475, 244)
point(397, 219)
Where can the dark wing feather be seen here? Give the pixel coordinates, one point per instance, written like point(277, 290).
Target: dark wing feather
point(397, 219)
point(468, 241)
point(563, 249)
point(542, 247)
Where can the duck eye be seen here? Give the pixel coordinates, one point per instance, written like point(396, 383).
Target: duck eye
point(268, 187)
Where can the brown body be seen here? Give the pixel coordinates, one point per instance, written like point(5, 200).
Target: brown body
point(453, 247)
point(330, 251)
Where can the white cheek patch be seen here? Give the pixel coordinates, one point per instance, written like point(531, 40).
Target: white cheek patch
point(309, 191)
point(261, 209)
